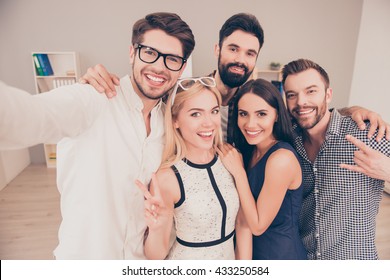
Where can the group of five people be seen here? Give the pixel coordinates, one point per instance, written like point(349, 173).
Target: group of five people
point(234, 177)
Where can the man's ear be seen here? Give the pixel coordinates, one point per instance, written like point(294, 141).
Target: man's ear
point(182, 69)
point(329, 95)
point(216, 50)
point(131, 54)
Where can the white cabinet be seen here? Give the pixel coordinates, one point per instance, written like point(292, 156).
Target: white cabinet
point(269, 75)
point(65, 71)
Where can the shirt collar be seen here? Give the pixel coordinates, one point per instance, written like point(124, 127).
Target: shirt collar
point(231, 101)
point(333, 127)
point(131, 97)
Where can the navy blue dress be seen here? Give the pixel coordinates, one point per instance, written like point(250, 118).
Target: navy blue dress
point(281, 241)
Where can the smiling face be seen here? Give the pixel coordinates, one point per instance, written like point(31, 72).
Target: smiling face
point(237, 58)
point(199, 121)
point(307, 98)
point(256, 119)
point(154, 80)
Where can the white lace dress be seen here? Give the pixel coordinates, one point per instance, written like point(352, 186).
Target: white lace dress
point(206, 213)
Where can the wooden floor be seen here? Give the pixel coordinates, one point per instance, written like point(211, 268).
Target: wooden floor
point(30, 216)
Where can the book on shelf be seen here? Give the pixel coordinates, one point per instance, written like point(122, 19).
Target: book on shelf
point(45, 64)
point(63, 82)
point(278, 85)
point(52, 156)
point(38, 67)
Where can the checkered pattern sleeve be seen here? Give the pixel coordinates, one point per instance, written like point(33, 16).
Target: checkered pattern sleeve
point(339, 206)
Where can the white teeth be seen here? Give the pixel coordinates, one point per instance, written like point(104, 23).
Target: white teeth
point(155, 79)
point(238, 69)
point(305, 112)
point(205, 134)
point(252, 132)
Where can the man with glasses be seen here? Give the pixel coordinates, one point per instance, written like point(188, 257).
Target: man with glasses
point(240, 39)
point(104, 145)
point(150, 55)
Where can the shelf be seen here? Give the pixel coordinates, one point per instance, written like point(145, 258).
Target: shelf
point(50, 155)
point(54, 77)
point(269, 75)
point(66, 69)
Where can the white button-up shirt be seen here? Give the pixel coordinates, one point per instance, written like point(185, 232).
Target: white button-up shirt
point(102, 149)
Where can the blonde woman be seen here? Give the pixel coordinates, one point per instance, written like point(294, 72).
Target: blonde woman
point(192, 190)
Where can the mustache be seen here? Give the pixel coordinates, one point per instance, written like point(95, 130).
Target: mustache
point(237, 65)
point(304, 107)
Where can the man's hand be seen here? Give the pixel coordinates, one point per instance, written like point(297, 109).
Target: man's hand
point(101, 80)
point(369, 161)
point(359, 115)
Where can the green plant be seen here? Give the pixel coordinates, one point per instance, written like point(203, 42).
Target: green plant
point(274, 65)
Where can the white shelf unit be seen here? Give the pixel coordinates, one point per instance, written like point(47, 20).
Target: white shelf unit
point(66, 71)
point(269, 75)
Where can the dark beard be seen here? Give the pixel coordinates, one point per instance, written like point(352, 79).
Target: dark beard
point(233, 80)
point(144, 93)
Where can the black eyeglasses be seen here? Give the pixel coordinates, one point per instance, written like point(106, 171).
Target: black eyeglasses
point(150, 55)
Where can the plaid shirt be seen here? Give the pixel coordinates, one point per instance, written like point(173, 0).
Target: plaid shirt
point(339, 206)
point(230, 127)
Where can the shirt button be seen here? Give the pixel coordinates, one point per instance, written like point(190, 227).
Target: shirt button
point(315, 169)
point(317, 214)
point(318, 254)
point(316, 191)
point(317, 235)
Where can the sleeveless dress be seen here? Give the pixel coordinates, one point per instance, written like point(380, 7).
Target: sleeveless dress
point(281, 241)
point(206, 213)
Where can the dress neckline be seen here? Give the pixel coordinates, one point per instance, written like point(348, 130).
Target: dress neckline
point(201, 166)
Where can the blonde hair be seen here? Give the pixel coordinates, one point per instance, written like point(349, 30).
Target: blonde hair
point(175, 148)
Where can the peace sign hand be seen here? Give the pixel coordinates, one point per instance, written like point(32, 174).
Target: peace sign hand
point(155, 210)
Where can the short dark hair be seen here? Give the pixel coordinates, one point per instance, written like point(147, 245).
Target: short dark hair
point(242, 21)
point(282, 129)
point(171, 24)
point(301, 65)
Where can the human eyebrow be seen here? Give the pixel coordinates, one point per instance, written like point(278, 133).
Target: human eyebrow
point(202, 109)
point(311, 86)
point(238, 47)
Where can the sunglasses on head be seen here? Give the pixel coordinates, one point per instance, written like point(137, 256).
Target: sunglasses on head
point(187, 83)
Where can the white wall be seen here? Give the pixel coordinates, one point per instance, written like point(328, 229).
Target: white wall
point(11, 164)
point(372, 64)
point(325, 31)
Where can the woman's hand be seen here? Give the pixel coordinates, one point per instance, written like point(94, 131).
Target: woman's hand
point(231, 159)
point(156, 212)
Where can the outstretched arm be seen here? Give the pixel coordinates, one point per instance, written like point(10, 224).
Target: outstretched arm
point(27, 120)
point(369, 161)
point(103, 81)
point(360, 114)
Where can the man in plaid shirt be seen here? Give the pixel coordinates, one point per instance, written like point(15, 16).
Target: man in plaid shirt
point(340, 205)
